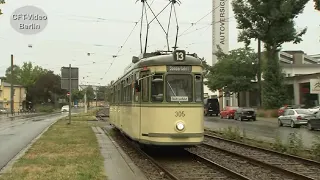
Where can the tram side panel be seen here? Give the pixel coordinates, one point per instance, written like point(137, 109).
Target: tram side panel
point(159, 125)
point(126, 119)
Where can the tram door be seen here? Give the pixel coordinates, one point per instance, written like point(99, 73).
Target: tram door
point(143, 98)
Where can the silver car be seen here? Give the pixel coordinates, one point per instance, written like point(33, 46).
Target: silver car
point(295, 117)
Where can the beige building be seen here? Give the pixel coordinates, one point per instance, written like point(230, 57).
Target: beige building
point(299, 68)
point(19, 96)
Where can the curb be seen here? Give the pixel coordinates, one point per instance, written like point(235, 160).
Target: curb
point(134, 168)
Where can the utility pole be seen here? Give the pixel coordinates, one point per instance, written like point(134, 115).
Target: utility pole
point(12, 88)
point(96, 97)
point(85, 101)
point(259, 73)
point(70, 88)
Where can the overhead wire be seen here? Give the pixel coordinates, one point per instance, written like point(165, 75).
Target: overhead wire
point(196, 30)
point(136, 23)
point(192, 25)
point(119, 51)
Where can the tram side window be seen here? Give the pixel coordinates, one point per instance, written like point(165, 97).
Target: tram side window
point(130, 89)
point(145, 89)
point(113, 95)
point(157, 88)
point(116, 94)
point(136, 95)
point(125, 93)
point(198, 87)
point(126, 90)
point(119, 94)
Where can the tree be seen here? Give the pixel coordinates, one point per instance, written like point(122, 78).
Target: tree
point(29, 74)
point(90, 94)
point(77, 95)
point(102, 93)
point(48, 86)
point(317, 5)
point(2, 2)
point(273, 23)
point(234, 71)
point(16, 75)
point(26, 75)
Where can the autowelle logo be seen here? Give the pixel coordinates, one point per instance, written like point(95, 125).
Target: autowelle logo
point(316, 86)
point(29, 20)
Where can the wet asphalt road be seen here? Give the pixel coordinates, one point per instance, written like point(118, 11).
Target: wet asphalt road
point(18, 133)
point(266, 130)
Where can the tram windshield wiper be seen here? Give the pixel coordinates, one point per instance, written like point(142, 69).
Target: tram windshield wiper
point(173, 91)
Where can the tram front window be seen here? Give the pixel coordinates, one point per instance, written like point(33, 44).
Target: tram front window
point(179, 88)
point(157, 88)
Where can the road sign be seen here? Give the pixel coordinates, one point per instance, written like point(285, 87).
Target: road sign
point(65, 73)
point(68, 94)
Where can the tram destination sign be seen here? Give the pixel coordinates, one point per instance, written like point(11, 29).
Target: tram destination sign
point(179, 68)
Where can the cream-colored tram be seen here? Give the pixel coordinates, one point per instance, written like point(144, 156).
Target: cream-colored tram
point(159, 99)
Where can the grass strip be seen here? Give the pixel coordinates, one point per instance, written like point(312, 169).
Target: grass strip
point(64, 152)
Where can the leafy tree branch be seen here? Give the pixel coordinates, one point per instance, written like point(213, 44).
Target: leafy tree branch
point(271, 21)
point(234, 71)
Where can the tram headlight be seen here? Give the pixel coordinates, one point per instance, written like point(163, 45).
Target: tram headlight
point(180, 126)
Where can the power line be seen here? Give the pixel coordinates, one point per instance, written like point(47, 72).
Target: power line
point(198, 29)
point(115, 56)
point(140, 19)
point(200, 19)
point(123, 21)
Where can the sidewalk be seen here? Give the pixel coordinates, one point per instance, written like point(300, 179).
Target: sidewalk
point(6, 116)
point(117, 164)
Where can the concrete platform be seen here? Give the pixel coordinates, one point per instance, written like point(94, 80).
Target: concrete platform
point(118, 166)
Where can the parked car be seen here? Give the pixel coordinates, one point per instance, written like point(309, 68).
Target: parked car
point(3, 111)
point(65, 108)
point(211, 106)
point(283, 108)
point(295, 117)
point(314, 109)
point(314, 122)
point(245, 113)
point(228, 112)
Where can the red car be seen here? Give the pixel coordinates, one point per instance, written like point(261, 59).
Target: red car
point(283, 108)
point(228, 112)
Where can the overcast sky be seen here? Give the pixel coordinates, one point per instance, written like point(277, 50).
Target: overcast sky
point(101, 27)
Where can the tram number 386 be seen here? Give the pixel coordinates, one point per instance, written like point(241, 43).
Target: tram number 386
point(179, 114)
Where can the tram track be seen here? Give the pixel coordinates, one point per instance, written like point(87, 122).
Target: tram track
point(177, 164)
point(183, 164)
point(287, 165)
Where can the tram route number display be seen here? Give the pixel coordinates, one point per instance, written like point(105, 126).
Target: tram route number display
point(179, 98)
point(179, 114)
point(179, 68)
point(179, 55)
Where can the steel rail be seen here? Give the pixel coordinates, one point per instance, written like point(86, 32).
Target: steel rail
point(213, 164)
point(259, 163)
point(308, 161)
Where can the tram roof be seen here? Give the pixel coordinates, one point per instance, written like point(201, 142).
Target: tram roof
point(152, 59)
point(160, 59)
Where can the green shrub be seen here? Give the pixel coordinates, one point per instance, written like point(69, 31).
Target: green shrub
point(274, 113)
point(295, 145)
point(232, 134)
point(261, 114)
point(278, 145)
point(45, 109)
point(316, 147)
